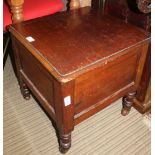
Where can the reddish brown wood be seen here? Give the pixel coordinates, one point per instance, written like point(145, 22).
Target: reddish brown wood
point(80, 62)
point(145, 77)
point(84, 36)
point(107, 82)
point(23, 87)
point(143, 98)
point(37, 74)
point(129, 12)
point(31, 80)
point(64, 113)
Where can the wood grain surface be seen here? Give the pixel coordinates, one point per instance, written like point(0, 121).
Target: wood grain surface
point(72, 41)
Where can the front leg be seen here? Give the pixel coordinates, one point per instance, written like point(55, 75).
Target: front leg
point(127, 103)
point(64, 111)
point(64, 142)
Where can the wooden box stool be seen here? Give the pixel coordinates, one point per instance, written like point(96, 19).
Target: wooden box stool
point(76, 63)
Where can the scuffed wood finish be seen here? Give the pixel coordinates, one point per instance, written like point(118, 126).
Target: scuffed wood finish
point(16, 7)
point(128, 11)
point(64, 113)
point(23, 87)
point(144, 5)
point(107, 82)
point(84, 36)
point(79, 63)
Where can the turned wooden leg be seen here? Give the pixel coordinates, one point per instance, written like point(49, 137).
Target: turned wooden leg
point(127, 103)
point(74, 4)
point(24, 90)
point(16, 7)
point(64, 142)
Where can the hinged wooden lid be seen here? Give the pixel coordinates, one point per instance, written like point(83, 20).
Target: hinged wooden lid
point(71, 41)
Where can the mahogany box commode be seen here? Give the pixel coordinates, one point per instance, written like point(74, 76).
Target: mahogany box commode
point(78, 62)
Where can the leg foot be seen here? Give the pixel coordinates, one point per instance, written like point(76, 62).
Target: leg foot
point(127, 103)
point(65, 142)
point(25, 91)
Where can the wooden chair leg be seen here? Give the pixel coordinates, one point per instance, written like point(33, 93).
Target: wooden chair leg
point(74, 4)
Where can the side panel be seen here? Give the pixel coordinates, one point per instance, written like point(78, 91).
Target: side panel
point(36, 74)
point(106, 81)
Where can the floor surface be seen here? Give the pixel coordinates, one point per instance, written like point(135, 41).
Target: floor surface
point(28, 130)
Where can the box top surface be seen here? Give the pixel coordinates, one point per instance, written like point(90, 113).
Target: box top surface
point(71, 41)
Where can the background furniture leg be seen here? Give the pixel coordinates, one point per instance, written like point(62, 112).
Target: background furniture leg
point(74, 4)
point(16, 10)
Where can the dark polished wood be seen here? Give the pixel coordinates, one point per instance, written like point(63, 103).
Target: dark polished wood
point(143, 98)
point(78, 63)
point(130, 12)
